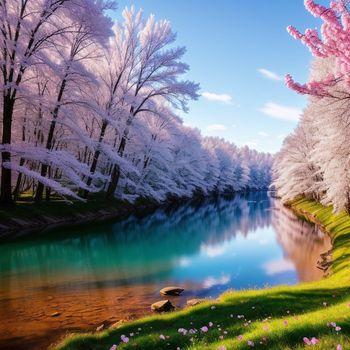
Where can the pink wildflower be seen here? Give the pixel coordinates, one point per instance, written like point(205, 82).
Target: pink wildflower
point(124, 339)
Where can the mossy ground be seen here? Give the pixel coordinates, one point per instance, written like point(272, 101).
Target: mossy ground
point(273, 318)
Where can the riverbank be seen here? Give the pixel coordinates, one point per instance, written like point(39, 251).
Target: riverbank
point(27, 217)
point(274, 318)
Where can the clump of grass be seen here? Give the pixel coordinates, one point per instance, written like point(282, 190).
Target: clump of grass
point(272, 318)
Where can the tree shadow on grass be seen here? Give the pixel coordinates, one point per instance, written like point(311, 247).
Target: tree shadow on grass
point(255, 308)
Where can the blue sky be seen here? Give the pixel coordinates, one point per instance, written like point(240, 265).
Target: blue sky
point(233, 47)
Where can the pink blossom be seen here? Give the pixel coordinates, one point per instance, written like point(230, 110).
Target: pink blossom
point(211, 324)
point(240, 337)
point(182, 331)
point(307, 341)
point(337, 328)
point(250, 343)
point(204, 329)
point(114, 347)
point(162, 337)
point(222, 347)
point(285, 322)
point(124, 338)
point(339, 347)
point(314, 341)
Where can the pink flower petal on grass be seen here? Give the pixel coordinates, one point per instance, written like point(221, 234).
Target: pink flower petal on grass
point(314, 341)
point(124, 338)
point(339, 347)
point(337, 329)
point(307, 341)
point(250, 343)
point(162, 337)
point(204, 329)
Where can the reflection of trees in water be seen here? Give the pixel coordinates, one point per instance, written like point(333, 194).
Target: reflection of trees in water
point(302, 242)
point(144, 248)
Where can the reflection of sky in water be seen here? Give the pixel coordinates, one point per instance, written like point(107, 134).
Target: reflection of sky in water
point(241, 262)
point(247, 241)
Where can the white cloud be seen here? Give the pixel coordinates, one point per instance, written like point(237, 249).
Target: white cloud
point(216, 127)
point(269, 75)
point(184, 262)
point(278, 111)
point(250, 143)
point(212, 281)
point(213, 251)
point(263, 134)
point(223, 98)
point(263, 242)
point(275, 267)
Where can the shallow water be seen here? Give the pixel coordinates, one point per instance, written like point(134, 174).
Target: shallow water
point(105, 272)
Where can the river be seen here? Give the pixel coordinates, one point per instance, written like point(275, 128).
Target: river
point(75, 279)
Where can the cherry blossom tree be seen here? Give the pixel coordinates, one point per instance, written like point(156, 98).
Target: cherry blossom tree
point(156, 74)
point(334, 42)
point(88, 107)
point(28, 28)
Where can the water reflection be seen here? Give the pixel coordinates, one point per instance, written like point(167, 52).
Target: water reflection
point(302, 243)
point(89, 273)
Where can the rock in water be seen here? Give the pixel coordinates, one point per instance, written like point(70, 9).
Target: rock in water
point(193, 302)
point(163, 305)
point(100, 328)
point(171, 291)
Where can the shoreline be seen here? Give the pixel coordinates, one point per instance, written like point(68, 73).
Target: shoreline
point(325, 299)
point(27, 219)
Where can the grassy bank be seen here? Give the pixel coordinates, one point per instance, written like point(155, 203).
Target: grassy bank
point(274, 318)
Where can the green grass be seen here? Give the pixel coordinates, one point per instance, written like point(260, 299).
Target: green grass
point(274, 318)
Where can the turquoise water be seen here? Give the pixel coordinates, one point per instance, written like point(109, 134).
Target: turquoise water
point(228, 243)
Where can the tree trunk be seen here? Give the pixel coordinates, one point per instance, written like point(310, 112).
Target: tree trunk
point(6, 174)
point(45, 167)
point(49, 142)
point(116, 170)
point(95, 159)
point(16, 191)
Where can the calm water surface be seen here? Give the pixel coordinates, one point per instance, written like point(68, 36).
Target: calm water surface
point(102, 273)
